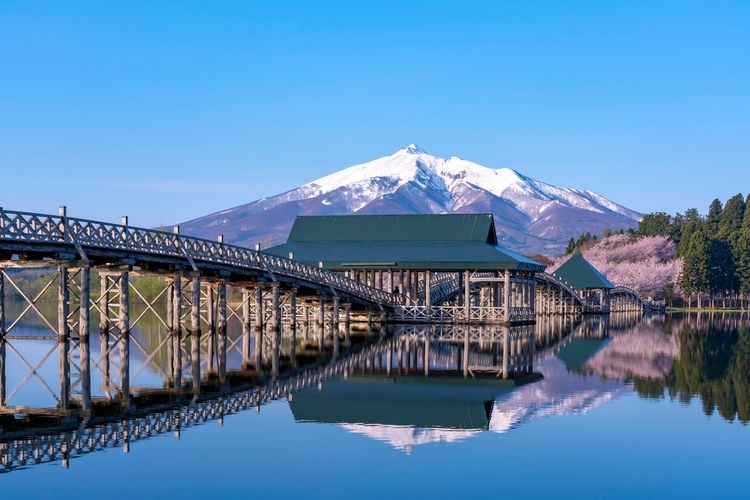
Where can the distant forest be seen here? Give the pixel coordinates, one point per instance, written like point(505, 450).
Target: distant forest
point(714, 249)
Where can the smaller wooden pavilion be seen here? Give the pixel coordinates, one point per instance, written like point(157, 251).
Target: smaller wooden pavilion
point(591, 285)
point(442, 268)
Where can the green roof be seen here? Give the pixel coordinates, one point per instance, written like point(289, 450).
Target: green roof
point(438, 242)
point(577, 272)
point(479, 228)
point(443, 402)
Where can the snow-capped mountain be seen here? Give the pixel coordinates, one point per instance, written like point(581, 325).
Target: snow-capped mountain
point(530, 215)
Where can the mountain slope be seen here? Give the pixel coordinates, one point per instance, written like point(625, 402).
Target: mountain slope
point(530, 215)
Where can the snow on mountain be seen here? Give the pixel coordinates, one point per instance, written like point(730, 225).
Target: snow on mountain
point(558, 393)
point(530, 215)
point(406, 438)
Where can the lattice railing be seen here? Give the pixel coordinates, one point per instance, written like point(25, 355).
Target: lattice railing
point(83, 233)
point(449, 314)
point(553, 280)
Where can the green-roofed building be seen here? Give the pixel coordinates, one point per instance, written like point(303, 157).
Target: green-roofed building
point(590, 284)
point(457, 254)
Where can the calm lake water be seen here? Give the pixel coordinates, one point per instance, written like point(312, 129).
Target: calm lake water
point(624, 407)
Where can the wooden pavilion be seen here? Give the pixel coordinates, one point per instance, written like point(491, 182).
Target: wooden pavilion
point(441, 268)
point(591, 285)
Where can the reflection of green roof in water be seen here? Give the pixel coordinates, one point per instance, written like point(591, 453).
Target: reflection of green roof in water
point(418, 401)
point(577, 352)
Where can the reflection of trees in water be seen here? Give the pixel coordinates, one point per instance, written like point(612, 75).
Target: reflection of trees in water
point(714, 364)
point(644, 352)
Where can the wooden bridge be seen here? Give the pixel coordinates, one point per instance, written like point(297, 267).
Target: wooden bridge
point(274, 289)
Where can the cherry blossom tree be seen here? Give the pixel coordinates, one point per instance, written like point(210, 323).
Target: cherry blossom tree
point(644, 264)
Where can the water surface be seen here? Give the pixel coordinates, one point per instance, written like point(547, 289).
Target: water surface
point(622, 407)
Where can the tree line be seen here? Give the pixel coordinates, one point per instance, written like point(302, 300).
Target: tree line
point(715, 248)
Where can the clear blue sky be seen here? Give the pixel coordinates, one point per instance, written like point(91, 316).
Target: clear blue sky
point(170, 110)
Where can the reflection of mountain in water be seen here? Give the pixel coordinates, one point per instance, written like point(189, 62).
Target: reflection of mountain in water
point(559, 393)
point(406, 438)
point(587, 370)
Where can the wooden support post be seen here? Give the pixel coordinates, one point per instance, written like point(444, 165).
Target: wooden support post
point(246, 328)
point(305, 321)
point(195, 335)
point(177, 331)
point(506, 298)
point(321, 325)
point(84, 324)
point(466, 354)
point(467, 295)
point(63, 335)
point(276, 328)
point(2, 370)
point(347, 324)
point(63, 304)
point(259, 329)
point(221, 337)
point(293, 328)
point(427, 288)
point(195, 307)
point(124, 327)
point(335, 325)
point(170, 333)
point(2, 303)
point(407, 288)
point(412, 286)
point(211, 317)
point(104, 329)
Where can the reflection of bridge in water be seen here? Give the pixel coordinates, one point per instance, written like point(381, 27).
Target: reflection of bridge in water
point(491, 361)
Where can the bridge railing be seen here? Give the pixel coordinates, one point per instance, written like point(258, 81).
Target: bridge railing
point(83, 233)
point(624, 291)
point(555, 281)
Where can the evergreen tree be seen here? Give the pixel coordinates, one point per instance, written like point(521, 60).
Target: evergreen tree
point(571, 247)
point(746, 218)
point(720, 266)
point(713, 218)
point(654, 224)
point(695, 270)
point(742, 260)
point(692, 223)
point(731, 218)
point(676, 228)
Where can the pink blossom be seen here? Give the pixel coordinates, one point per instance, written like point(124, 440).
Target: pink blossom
point(645, 264)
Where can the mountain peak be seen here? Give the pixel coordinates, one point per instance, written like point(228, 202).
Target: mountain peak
point(412, 149)
point(530, 215)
